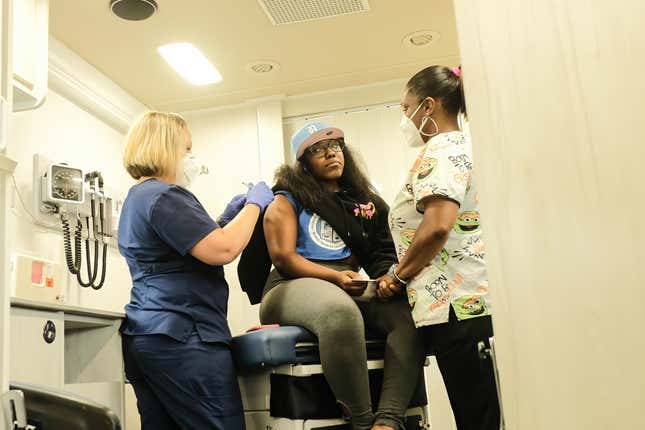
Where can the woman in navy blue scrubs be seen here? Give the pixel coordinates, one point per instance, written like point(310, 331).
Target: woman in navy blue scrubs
point(176, 340)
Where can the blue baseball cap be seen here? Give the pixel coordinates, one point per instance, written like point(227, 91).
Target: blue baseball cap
point(311, 134)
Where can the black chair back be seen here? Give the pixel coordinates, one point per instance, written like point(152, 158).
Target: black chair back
point(49, 409)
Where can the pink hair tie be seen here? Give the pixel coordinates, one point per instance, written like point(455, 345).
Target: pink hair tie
point(456, 71)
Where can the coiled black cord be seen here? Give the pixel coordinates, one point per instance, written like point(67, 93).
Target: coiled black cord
point(73, 260)
point(103, 269)
point(78, 237)
point(102, 233)
point(93, 269)
point(91, 275)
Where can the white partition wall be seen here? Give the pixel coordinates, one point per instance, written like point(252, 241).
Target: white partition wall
point(557, 104)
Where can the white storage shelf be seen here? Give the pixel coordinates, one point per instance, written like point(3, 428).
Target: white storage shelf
point(84, 358)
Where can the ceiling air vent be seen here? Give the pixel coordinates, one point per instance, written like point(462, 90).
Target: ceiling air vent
point(420, 39)
point(291, 11)
point(263, 66)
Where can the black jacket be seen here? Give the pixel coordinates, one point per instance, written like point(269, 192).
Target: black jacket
point(367, 236)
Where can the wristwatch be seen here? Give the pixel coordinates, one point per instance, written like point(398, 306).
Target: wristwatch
point(392, 273)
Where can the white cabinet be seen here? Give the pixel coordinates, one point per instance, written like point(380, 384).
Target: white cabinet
point(37, 345)
point(83, 356)
point(30, 52)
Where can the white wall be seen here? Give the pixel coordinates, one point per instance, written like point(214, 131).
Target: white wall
point(64, 132)
point(343, 98)
point(556, 105)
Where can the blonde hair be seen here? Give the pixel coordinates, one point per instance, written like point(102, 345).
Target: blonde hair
point(155, 144)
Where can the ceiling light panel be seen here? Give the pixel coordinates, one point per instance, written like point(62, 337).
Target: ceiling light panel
point(190, 63)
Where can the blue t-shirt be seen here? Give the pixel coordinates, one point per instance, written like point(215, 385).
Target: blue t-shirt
point(316, 240)
point(172, 293)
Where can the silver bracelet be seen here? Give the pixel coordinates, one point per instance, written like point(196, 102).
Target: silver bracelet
point(392, 272)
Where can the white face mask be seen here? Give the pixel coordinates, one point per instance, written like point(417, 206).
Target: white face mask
point(410, 131)
point(188, 171)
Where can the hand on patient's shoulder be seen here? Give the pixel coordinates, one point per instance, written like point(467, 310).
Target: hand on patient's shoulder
point(259, 194)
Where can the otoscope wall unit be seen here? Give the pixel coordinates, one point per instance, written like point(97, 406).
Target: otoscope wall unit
point(73, 199)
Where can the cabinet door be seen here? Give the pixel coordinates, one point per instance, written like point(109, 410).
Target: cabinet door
point(30, 52)
point(37, 345)
point(24, 42)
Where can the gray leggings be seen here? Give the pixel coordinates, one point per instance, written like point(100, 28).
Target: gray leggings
point(337, 320)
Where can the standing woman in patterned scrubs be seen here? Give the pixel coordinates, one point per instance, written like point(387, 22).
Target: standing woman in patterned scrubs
point(436, 229)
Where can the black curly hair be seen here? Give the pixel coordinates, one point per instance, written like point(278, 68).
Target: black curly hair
point(308, 190)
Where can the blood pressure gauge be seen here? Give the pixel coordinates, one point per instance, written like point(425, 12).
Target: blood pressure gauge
point(64, 184)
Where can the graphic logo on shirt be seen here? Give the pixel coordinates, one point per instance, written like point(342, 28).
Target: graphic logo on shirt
point(400, 251)
point(412, 297)
point(456, 138)
point(467, 222)
point(366, 211)
point(426, 168)
point(438, 286)
point(469, 306)
point(396, 222)
point(324, 235)
point(407, 235)
point(429, 189)
point(461, 162)
point(473, 248)
point(441, 260)
point(463, 178)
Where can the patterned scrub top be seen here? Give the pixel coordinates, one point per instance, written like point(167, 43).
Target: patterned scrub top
point(457, 275)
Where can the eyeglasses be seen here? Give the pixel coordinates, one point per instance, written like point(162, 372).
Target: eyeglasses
point(320, 149)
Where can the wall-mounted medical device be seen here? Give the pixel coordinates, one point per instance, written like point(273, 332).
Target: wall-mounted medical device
point(77, 197)
point(63, 184)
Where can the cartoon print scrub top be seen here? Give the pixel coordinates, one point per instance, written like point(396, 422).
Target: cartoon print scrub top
point(457, 275)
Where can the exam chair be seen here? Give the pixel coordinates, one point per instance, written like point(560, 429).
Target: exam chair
point(283, 387)
point(33, 407)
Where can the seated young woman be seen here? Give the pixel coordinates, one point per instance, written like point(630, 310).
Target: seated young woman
point(325, 223)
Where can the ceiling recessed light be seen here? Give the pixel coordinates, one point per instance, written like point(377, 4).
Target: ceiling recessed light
point(263, 66)
point(133, 10)
point(420, 39)
point(190, 63)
